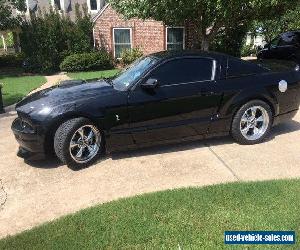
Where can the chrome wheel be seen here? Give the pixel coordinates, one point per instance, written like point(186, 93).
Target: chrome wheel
point(85, 144)
point(254, 123)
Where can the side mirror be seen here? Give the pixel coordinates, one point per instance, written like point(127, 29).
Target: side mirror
point(150, 84)
point(267, 46)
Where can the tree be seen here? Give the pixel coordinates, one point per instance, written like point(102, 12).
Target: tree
point(49, 36)
point(7, 19)
point(272, 27)
point(209, 16)
point(230, 40)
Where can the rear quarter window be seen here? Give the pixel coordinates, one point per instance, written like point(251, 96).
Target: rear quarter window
point(239, 68)
point(289, 38)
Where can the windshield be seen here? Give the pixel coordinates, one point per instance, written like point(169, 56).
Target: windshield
point(133, 72)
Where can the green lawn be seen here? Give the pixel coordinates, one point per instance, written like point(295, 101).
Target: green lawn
point(16, 86)
point(190, 218)
point(93, 74)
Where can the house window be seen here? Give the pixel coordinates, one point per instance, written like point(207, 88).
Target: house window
point(57, 4)
point(23, 9)
point(175, 38)
point(122, 40)
point(94, 4)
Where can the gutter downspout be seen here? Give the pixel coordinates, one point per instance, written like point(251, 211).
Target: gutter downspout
point(94, 38)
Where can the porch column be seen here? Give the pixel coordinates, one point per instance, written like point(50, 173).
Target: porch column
point(4, 43)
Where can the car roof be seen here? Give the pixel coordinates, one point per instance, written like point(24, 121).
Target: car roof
point(169, 54)
point(292, 31)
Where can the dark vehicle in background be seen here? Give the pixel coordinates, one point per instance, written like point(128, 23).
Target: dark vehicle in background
point(162, 97)
point(284, 47)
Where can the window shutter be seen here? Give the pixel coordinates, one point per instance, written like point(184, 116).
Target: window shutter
point(32, 5)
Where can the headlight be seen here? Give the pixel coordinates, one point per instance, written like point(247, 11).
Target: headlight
point(27, 128)
point(23, 126)
point(297, 68)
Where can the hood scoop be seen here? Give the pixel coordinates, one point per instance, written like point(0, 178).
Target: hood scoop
point(70, 83)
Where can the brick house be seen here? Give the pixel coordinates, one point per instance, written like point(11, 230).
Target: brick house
point(114, 33)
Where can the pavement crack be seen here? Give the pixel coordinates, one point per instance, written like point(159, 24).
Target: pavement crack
point(222, 161)
point(3, 195)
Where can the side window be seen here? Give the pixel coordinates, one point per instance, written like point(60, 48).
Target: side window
point(287, 39)
point(184, 71)
point(275, 42)
point(237, 68)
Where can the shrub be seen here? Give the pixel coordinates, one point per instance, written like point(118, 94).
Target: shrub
point(248, 50)
point(47, 38)
point(9, 39)
point(14, 60)
point(130, 55)
point(87, 61)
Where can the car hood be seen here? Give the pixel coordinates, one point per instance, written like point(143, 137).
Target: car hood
point(67, 92)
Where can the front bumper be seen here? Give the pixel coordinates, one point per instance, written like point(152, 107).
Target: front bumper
point(31, 141)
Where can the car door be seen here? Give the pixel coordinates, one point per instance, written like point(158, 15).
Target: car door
point(180, 106)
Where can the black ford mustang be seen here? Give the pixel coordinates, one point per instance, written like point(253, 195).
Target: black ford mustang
point(161, 97)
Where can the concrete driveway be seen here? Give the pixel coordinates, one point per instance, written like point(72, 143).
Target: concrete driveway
point(33, 193)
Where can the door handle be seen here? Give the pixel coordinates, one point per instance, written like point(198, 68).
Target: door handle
point(206, 93)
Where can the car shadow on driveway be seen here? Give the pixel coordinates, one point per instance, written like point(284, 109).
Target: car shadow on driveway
point(170, 147)
point(50, 162)
point(281, 129)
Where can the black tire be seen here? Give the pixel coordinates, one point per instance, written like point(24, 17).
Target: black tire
point(236, 132)
point(62, 140)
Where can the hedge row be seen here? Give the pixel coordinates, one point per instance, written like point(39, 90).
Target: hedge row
point(87, 61)
point(15, 60)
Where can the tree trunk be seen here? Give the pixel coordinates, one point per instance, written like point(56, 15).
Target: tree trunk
point(205, 43)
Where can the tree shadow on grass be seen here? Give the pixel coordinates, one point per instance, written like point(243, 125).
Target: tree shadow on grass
point(10, 99)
